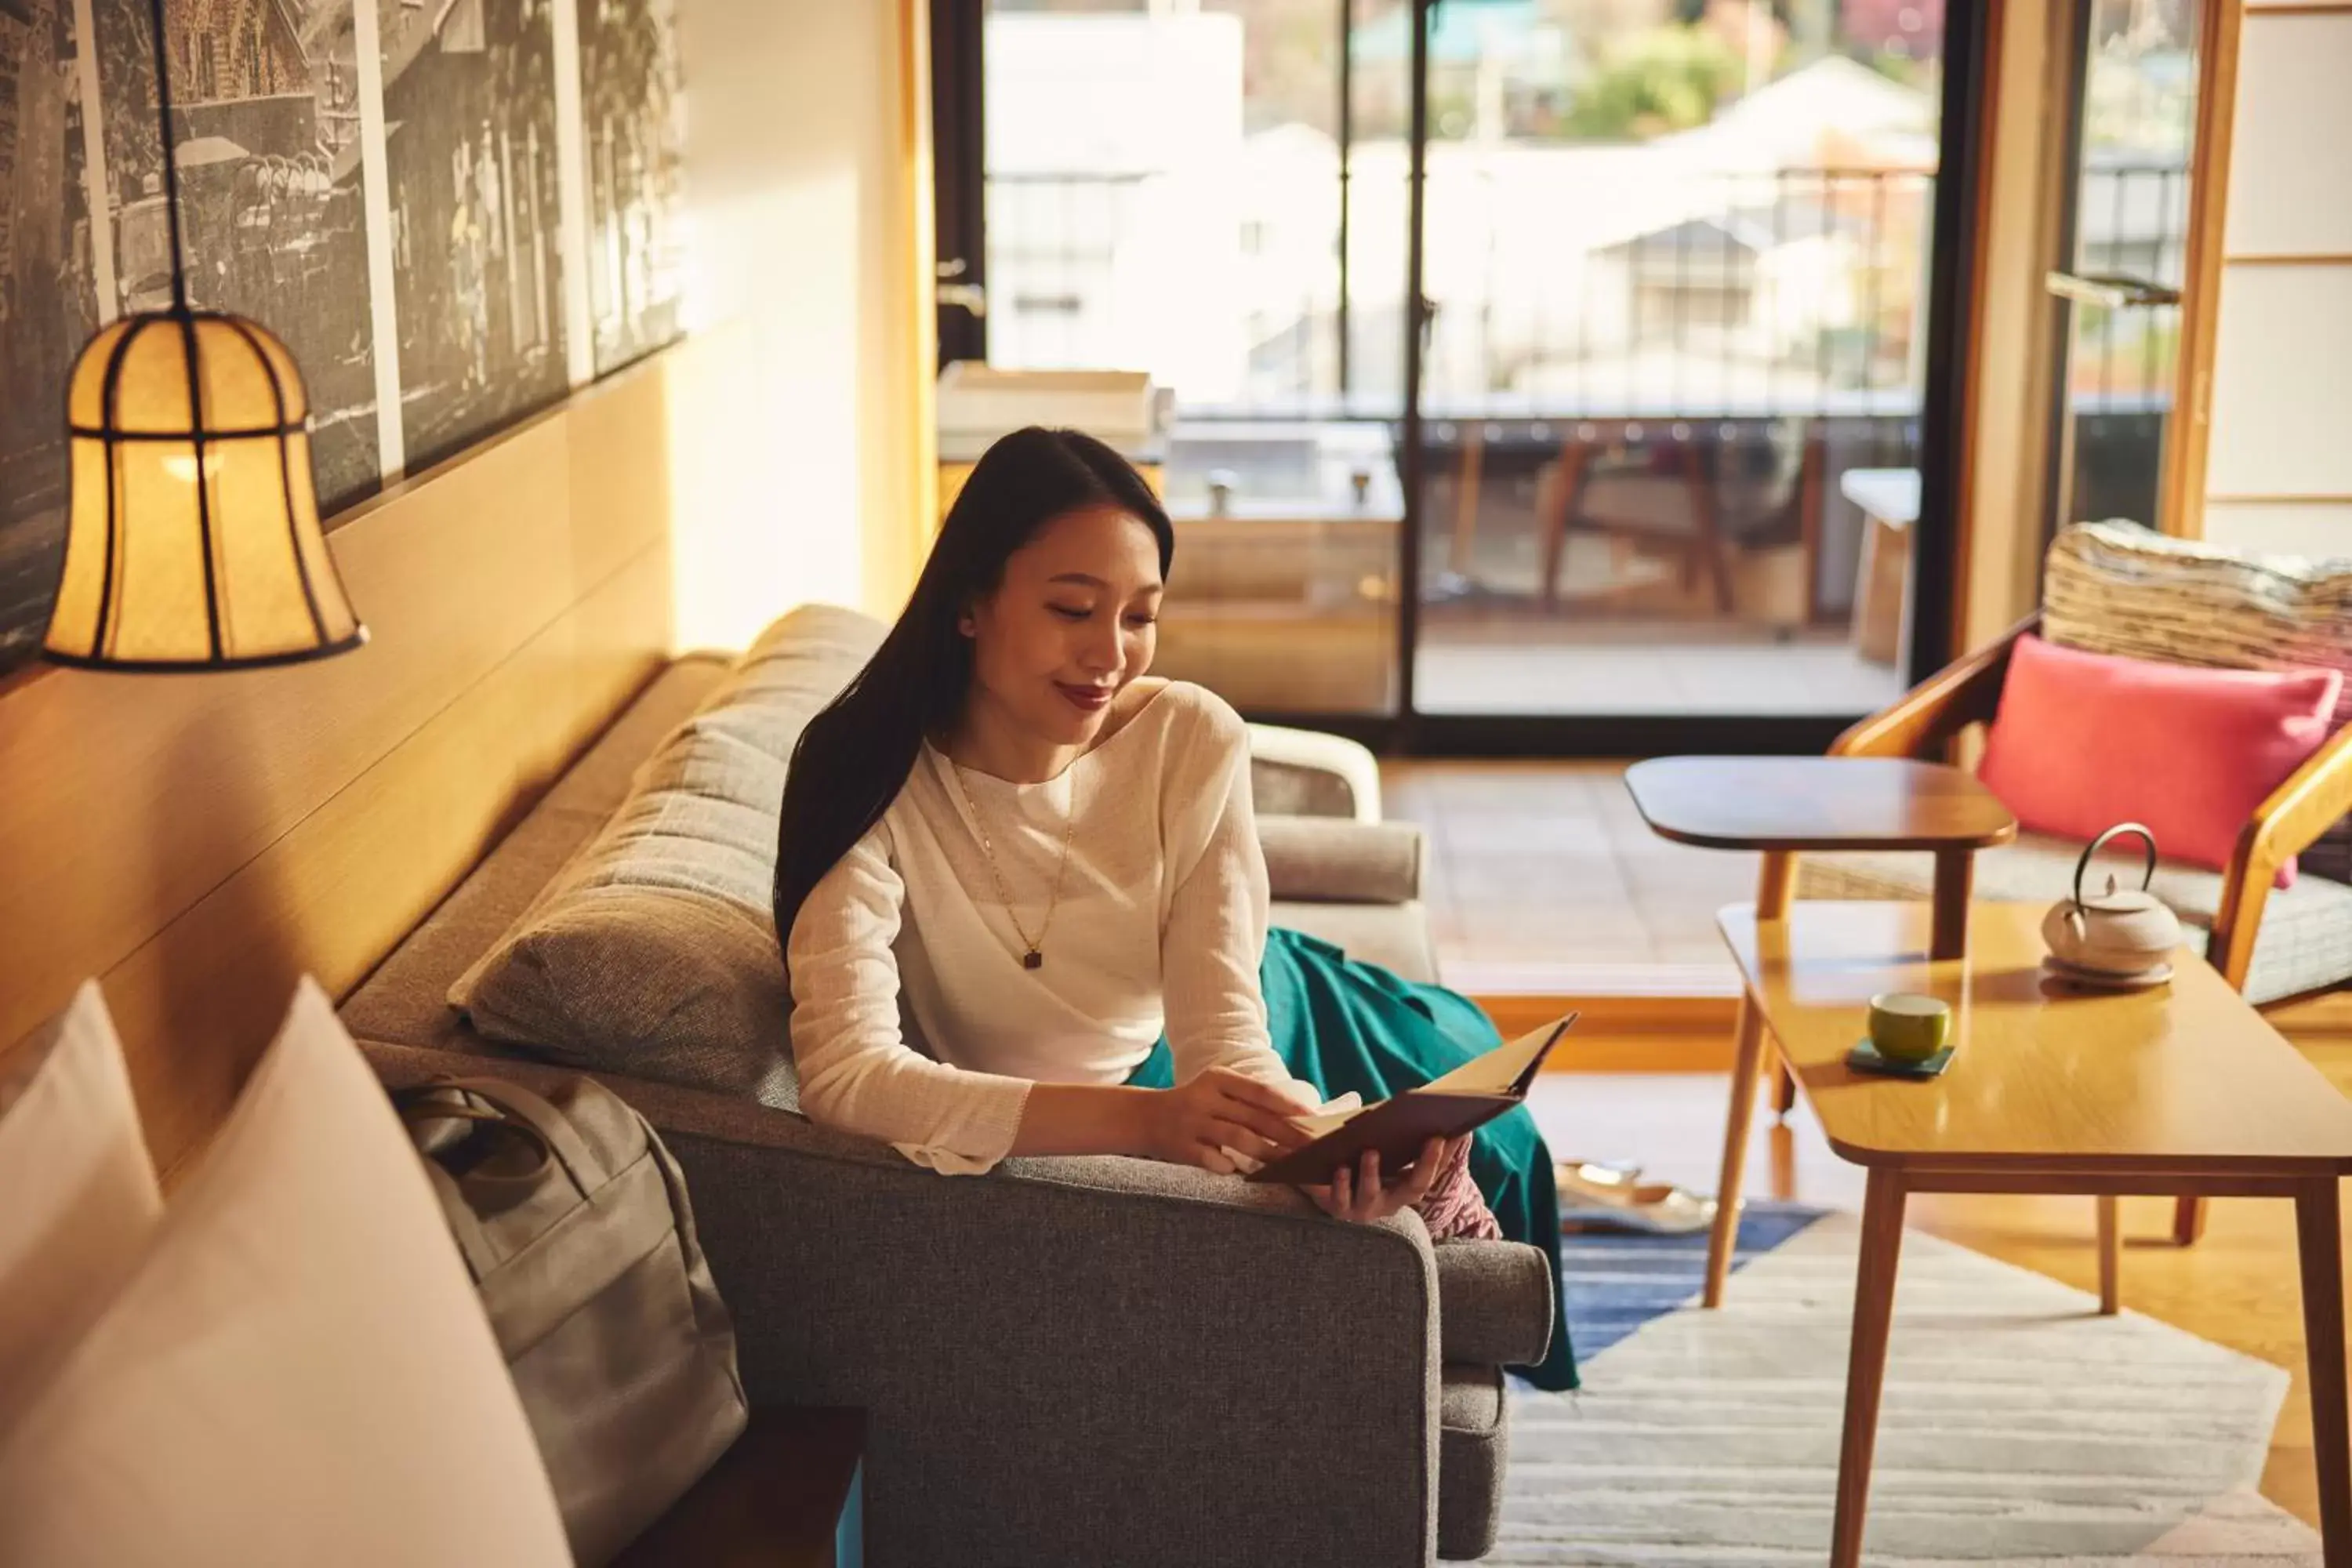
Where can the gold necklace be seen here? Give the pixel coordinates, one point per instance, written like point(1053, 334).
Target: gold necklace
point(1032, 954)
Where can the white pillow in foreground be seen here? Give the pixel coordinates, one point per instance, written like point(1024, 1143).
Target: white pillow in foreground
point(77, 1196)
point(298, 1371)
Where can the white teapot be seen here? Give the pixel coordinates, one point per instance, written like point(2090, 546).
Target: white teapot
point(2121, 932)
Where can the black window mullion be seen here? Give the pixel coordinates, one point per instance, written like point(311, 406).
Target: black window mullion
point(959, 170)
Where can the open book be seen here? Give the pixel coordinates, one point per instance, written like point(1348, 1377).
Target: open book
point(1468, 1097)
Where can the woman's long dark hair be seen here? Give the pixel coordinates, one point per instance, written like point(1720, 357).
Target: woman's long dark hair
point(854, 756)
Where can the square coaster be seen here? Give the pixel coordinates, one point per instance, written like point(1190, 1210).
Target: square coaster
point(1864, 1057)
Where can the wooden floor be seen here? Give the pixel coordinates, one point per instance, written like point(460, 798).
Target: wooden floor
point(1514, 667)
point(1543, 878)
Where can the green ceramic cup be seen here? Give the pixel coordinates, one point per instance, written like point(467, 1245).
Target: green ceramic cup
point(1909, 1027)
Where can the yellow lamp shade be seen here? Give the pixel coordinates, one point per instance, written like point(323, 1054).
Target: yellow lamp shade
point(192, 539)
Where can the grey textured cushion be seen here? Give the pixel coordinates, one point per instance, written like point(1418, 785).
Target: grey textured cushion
point(406, 999)
point(1293, 790)
point(1305, 772)
point(2306, 943)
point(654, 953)
point(1336, 859)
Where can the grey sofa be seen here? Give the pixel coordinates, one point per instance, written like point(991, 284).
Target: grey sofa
point(1068, 1360)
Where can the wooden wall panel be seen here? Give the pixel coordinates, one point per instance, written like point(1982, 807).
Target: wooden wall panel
point(129, 797)
point(187, 837)
point(620, 466)
point(197, 1004)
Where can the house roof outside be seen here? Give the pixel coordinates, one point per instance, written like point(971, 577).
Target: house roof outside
point(1755, 229)
point(1788, 122)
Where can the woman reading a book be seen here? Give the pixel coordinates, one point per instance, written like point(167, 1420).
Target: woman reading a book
point(1023, 901)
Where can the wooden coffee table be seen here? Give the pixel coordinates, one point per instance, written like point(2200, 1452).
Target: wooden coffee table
point(1787, 805)
point(2180, 1089)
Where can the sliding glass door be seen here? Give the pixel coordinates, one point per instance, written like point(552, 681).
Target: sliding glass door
point(1542, 363)
point(1675, 261)
point(1168, 188)
point(2133, 114)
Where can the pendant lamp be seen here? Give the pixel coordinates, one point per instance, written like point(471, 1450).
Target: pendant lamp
point(192, 534)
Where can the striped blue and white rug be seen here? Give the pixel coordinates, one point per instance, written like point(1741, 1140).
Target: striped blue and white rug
point(2018, 1425)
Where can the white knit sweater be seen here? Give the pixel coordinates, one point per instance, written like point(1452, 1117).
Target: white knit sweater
point(913, 1019)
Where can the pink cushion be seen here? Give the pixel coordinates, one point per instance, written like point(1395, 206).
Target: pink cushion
point(2084, 740)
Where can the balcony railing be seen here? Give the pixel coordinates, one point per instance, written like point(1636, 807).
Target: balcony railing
point(1595, 286)
point(1744, 337)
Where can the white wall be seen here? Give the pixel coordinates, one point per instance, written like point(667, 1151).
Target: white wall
point(2279, 465)
point(794, 457)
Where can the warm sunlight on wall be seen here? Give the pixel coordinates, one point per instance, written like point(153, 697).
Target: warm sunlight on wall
point(795, 462)
point(755, 527)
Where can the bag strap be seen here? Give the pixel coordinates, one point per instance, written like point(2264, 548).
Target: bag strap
point(428, 1103)
point(474, 1243)
point(554, 1128)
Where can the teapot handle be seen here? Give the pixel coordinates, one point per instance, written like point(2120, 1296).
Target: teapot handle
point(2148, 876)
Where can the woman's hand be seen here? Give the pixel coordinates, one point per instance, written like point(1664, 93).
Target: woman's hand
point(1358, 1196)
point(1220, 1109)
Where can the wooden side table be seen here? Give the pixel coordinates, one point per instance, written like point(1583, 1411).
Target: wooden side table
point(1786, 805)
point(789, 1494)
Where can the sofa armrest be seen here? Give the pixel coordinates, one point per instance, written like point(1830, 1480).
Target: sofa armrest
point(1068, 1351)
point(1499, 1299)
point(1304, 773)
point(1334, 860)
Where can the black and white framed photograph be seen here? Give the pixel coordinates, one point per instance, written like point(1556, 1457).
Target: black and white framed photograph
point(470, 140)
point(634, 136)
point(266, 131)
point(49, 301)
point(458, 298)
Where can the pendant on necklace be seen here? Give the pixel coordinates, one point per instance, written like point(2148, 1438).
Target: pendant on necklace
point(1032, 959)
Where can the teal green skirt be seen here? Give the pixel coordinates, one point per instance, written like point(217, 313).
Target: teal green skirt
point(1343, 1026)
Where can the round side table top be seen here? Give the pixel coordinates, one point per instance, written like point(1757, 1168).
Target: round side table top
point(1817, 803)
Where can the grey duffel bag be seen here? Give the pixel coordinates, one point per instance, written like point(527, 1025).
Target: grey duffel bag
point(574, 1223)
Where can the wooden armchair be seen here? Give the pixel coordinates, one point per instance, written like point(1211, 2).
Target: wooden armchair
point(1925, 723)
